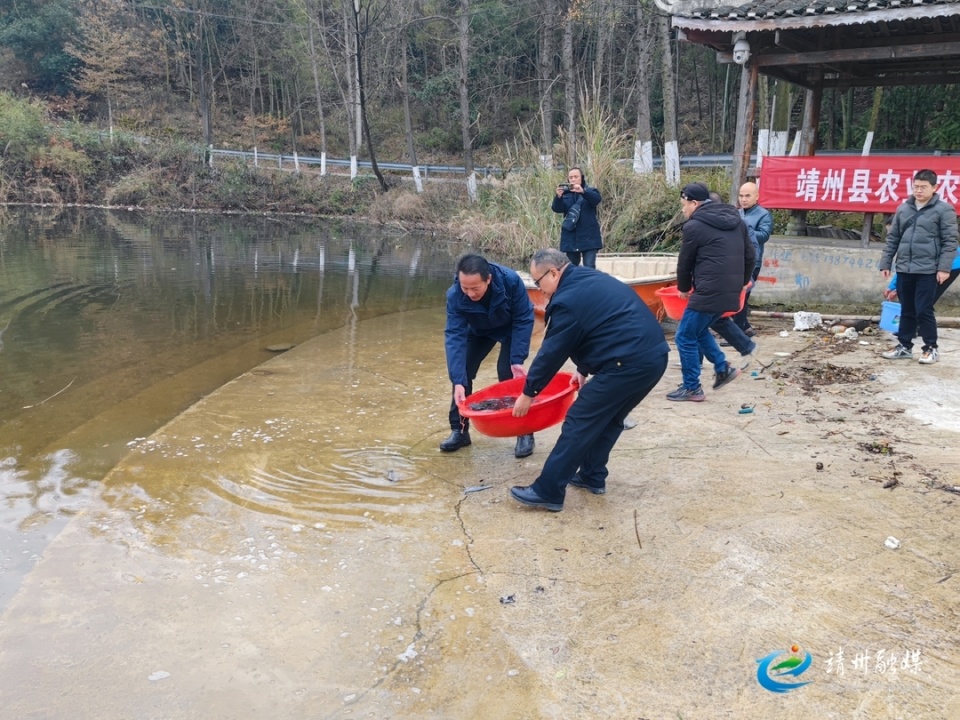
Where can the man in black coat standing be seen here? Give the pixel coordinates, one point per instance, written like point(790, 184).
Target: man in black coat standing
point(716, 258)
point(607, 330)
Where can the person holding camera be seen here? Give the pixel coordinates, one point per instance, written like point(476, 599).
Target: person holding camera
point(580, 231)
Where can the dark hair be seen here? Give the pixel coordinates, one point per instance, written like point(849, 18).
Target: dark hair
point(715, 197)
point(473, 264)
point(583, 178)
point(926, 176)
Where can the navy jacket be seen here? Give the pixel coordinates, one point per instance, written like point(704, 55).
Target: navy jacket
point(586, 236)
point(716, 258)
point(595, 320)
point(509, 317)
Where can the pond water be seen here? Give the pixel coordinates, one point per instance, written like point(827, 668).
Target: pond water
point(111, 324)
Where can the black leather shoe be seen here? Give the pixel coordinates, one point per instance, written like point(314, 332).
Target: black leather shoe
point(457, 440)
point(578, 481)
point(528, 496)
point(524, 446)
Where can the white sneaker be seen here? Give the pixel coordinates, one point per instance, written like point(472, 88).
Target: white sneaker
point(898, 353)
point(929, 357)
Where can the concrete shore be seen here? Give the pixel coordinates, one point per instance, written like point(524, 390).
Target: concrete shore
point(296, 546)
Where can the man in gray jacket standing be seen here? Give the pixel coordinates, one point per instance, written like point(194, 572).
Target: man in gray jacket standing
point(923, 237)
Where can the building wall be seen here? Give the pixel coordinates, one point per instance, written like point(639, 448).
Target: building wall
point(809, 271)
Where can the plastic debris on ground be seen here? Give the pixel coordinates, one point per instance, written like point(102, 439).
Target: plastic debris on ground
point(807, 321)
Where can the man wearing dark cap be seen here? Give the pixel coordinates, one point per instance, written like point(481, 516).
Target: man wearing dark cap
point(716, 262)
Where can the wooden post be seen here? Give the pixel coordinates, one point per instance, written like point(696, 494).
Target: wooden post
point(746, 115)
point(808, 146)
point(867, 143)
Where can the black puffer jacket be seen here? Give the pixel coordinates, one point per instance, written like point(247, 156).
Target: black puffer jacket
point(716, 258)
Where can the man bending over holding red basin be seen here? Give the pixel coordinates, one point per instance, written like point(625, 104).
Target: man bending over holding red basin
point(487, 304)
point(608, 331)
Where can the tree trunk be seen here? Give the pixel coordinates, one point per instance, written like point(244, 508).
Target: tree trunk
point(782, 103)
point(807, 142)
point(204, 97)
point(746, 117)
point(763, 113)
point(344, 95)
point(545, 65)
point(463, 26)
point(867, 144)
point(643, 133)
point(407, 119)
point(352, 103)
point(569, 86)
point(847, 105)
point(314, 65)
point(361, 28)
point(671, 152)
point(602, 24)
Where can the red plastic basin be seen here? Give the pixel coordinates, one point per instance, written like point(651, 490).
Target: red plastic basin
point(674, 305)
point(548, 408)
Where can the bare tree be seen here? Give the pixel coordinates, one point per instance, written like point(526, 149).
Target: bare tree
point(569, 82)
point(404, 84)
point(362, 20)
point(109, 50)
point(646, 42)
point(671, 151)
point(463, 33)
point(315, 70)
point(546, 72)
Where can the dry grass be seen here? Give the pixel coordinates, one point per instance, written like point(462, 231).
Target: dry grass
point(514, 218)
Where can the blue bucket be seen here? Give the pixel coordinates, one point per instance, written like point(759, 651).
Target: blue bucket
point(890, 317)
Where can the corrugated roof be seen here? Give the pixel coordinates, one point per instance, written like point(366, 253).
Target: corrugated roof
point(773, 9)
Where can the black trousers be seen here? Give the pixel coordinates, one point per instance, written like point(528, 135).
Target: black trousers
point(593, 426)
point(917, 294)
point(741, 318)
point(589, 257)
point(478, 347)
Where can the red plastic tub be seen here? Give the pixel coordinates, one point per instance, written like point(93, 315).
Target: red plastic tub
point(548, 408)
point(674, 305)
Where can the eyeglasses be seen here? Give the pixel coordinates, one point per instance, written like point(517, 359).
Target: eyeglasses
point(558, 269)
point(537, 281)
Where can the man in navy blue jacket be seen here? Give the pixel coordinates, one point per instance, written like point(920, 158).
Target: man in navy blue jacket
point(606, 329)
point(487, 304)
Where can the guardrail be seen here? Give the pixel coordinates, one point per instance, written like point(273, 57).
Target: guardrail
point(691, 161)
point(281, 160)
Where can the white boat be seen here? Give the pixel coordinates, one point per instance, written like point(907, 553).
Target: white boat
point(644, 272)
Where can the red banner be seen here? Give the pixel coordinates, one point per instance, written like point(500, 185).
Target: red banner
point(852, 183)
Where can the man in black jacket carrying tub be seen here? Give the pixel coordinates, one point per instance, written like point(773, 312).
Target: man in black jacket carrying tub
point(607, 330)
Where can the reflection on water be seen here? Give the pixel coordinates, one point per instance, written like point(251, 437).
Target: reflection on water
point(112, 324)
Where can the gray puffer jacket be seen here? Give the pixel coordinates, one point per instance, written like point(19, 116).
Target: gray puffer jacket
point(926, 245)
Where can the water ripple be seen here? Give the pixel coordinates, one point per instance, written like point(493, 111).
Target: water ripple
point(355, 485)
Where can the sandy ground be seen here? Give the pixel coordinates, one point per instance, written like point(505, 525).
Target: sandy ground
point(295, 546)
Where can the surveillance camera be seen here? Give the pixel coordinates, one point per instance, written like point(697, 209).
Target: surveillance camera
point(741, 52)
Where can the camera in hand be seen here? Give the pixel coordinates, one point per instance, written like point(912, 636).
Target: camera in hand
point(566, 187)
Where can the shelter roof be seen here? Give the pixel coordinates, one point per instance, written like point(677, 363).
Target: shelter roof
point(832, 43)
point(825, 12)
